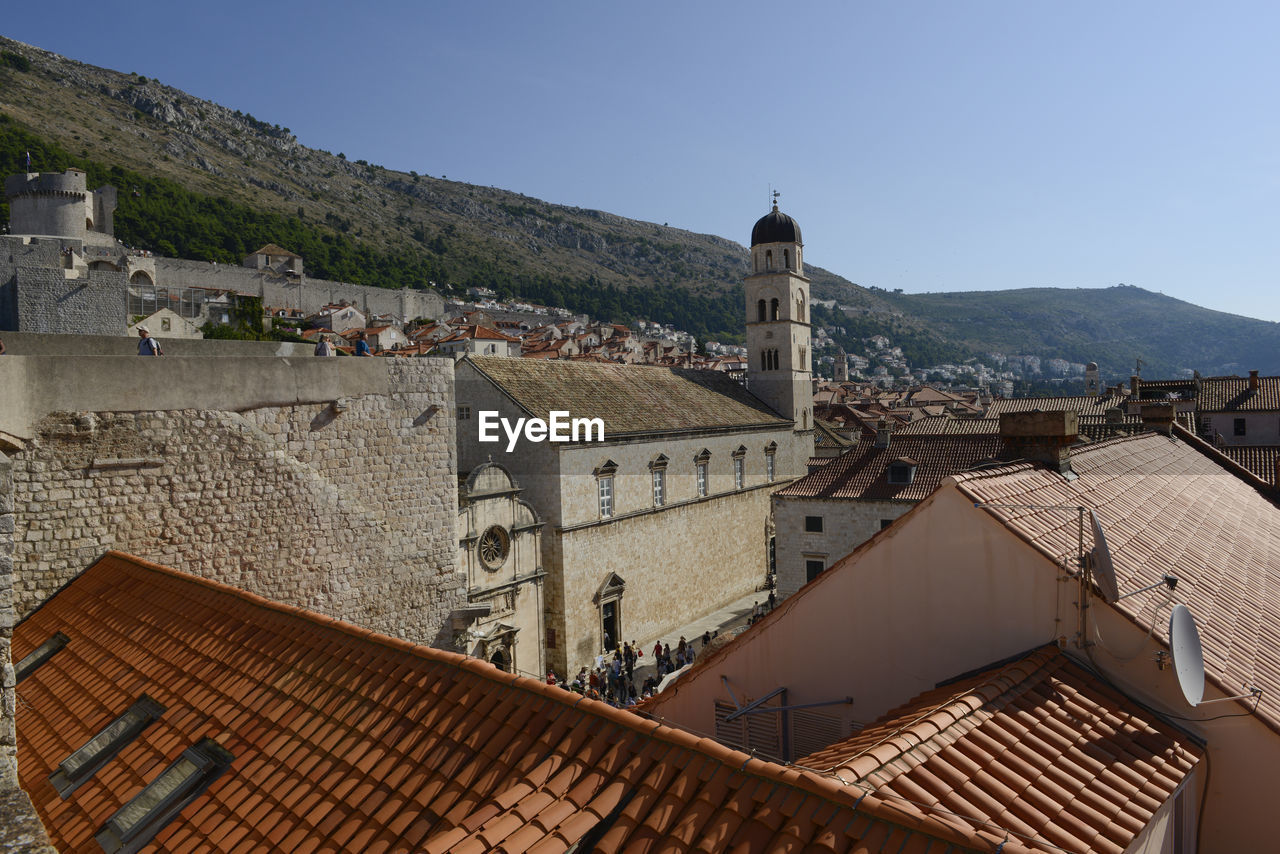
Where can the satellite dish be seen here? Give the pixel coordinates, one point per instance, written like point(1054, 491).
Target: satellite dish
point(1104, 572)
point(1188, 657)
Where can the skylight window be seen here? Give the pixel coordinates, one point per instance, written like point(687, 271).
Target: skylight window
point(80, 766)
point(38, 656)
point(137, 822)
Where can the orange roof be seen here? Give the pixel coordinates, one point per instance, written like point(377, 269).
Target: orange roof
point(1232, 394)
point(1039, 747)
point(272, 249)
point(1165, 507)
point(1081, 404)
point(862, 472)
point(1262, 460)
point(346, 740)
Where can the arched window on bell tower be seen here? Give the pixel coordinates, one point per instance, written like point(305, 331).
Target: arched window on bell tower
point(768, 259)
point(786, 259)
point(760, 311)
point(773, 309)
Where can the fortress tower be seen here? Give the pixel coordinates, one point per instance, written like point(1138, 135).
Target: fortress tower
point(58, 205)
point(778, 355)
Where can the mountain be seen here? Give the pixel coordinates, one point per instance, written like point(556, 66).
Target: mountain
point(204, 181)
point(1112, 326)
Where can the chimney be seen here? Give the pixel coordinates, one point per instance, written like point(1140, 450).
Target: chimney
point(1042, 437)
point(883, 432)
point(1159, 417)
point(1114, 415)
point(1133, 387)
point(1253, 381)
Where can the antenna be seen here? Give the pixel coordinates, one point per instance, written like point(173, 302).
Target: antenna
point(1188, 656)
point(1188, 660)
point(1104, 571)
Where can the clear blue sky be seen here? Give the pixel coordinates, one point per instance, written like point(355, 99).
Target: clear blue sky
point(927, 146)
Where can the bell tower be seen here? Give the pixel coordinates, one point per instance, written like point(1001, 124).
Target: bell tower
point(777, 291)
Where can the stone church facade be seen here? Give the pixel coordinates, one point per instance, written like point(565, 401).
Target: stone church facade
point(668, 516)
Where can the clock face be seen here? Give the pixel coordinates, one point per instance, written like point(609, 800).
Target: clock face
point(494, 546)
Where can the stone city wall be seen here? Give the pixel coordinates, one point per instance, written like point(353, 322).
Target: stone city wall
point(43, 299)
point(305, 293)
point(40, 344)
point(8, 735)
point(324, 483)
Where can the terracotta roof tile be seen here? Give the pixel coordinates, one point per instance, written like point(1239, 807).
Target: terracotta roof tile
point(1081, 405)
point(628, 398)
point(1261, 460)
point(1232, 394)
point(344, 740)
point(863, 471)
point(1166, 507)
point(1039, 748)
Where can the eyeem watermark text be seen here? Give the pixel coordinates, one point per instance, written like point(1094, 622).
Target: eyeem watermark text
point(558, 428)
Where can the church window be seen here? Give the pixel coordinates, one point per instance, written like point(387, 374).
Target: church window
point(494, 546)
point(658, 469)
point(773, 309)
point(813, 567)
point(604, 487)
point(768, 259)
point(800, 308)
point(770, 451)
point(786, 259)
point(606, 496)
point(702, 465)
point(760, 310)
point(739, 467)
point(813, 524)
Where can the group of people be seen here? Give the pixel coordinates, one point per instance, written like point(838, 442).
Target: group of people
point(612, 677)
point(324, 348)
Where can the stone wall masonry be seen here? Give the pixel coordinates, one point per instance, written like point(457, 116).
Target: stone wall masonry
point(846, 524)
point(306, 293)
point(47, 301)
point(340, 503)
point(8, 733)
point(41, 344)
point(721, 556)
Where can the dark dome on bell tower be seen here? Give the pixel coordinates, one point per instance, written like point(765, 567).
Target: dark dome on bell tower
point(775, 227)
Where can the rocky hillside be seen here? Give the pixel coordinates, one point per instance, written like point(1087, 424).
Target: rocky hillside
point(145, 126)
point(466, 234)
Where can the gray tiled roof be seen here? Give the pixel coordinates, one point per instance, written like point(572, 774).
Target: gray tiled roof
point(629, 398)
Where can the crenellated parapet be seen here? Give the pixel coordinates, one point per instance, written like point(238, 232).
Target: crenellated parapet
point(59, 205)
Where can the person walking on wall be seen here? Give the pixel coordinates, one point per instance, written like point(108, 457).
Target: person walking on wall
point(323, 348)
point(362, 346)
point(148, 346)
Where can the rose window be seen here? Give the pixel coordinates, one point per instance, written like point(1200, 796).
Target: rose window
point(494, 545)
